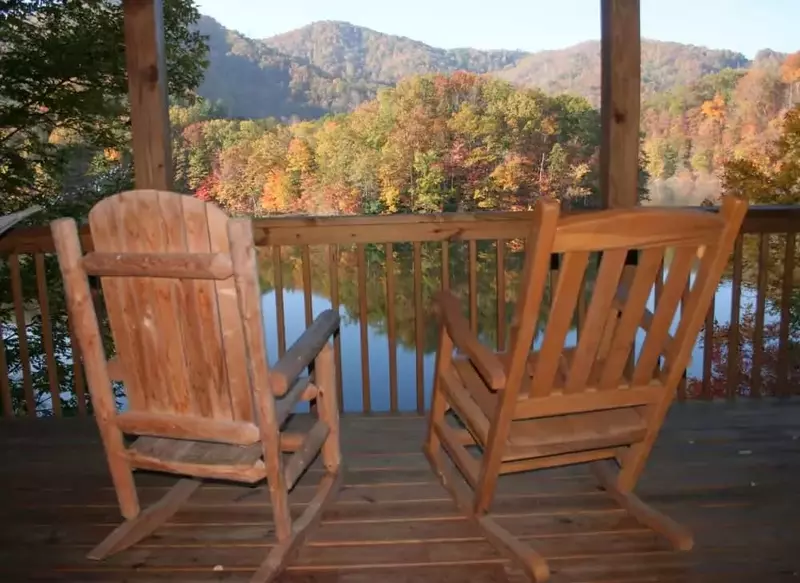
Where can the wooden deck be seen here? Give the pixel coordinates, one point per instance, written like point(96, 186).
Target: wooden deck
point(729, 471)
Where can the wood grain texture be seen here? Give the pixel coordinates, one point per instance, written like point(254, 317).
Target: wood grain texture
point(401, 228)
point(157, 250)
point(393, 522)
point(605, 413)
point(145, 63)
point(620, 98)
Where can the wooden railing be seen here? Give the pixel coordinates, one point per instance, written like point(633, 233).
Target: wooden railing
point(381, 271)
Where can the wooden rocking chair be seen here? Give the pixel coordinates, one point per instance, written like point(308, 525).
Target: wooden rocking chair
point(595, 403)
point(180, 285)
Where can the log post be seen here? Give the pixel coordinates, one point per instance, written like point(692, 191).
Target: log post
point(621, 56)
point(147, 89)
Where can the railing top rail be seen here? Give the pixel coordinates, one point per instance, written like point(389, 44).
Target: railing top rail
point(304, 230)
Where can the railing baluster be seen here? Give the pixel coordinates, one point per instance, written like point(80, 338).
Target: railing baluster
point(446, 264)
point(390, 325)
point(307, 289)
point(684, 379)
point(333, 271)
point(418, 325)
point(277, 267)
point(659, 289)
point(786, 299)
point(501, 295)
point(47, 335)
point(22, 334)
point(473, 285)
point(734, 366)
point(5, 388)
point(708, 352)
point(366, 396)
point(763, 223)
point(77, 371)
point(761, 300)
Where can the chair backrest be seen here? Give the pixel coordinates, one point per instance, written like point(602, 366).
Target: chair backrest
point(593, 248)
point(167, 270)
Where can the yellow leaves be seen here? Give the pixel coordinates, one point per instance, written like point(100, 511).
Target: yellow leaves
point(714, 108)
point(299, 156)
point(112, 154)
point(63, 136)
point(511, 174)
point(391, 198)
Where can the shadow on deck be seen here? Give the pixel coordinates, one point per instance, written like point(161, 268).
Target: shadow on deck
point(731, 472)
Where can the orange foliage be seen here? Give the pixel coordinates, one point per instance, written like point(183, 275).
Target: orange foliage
point(790, 69)
point(714, 108)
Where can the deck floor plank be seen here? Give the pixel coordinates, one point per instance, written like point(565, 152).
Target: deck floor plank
point(731, 472)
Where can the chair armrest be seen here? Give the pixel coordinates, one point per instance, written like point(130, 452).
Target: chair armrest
point(303, 352)
point(485, 361)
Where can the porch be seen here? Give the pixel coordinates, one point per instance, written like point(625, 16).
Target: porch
point(729, 471)
point(725, 465)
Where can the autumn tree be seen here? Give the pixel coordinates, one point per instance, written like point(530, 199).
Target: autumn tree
point(777, 179)
point(64, 90)
point(790, 74)
point(434, 143)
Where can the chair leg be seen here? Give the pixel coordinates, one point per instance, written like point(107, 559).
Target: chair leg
point(282, 552)
point(679, 536)
point(532, 564)
point(328, 407)
point(137, 528)
point(328, 412)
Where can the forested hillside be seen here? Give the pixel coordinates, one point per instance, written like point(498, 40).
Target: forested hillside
point(693, 131)
point(577, 69)
point(700, 108)
point(331, 67)
point(252, 80)
point(433, 143)
point(354, 52)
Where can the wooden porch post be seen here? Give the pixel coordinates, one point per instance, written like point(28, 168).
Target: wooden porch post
point(147, 88)
point(620, 102)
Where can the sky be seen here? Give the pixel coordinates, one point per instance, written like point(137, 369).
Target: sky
point(745, 26)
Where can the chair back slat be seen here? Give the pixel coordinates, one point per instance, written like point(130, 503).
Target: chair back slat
point(666, 310)
point(594, 324)
point(179, 340)
point(626, 320)
point(594, 248)
point(559, 321)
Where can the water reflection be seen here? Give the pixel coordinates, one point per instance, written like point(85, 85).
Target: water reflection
point(378, 344)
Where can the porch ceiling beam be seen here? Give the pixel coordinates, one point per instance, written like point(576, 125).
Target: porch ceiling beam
point(147, 89)
point(621, 55)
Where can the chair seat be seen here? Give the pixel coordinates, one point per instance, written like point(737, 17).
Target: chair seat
point(205, 459)
point(574, 432)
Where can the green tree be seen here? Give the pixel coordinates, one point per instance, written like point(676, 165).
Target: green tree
point(63, 87)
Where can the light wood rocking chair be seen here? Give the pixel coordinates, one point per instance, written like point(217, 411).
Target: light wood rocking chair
point(594, 403)
point(180, 285)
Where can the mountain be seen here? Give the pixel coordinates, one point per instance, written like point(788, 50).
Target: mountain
point(352, 52)
point(253, 80)
point(331, 67)
point(577, 69)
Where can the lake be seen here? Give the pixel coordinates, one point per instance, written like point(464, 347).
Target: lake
point(406, 358)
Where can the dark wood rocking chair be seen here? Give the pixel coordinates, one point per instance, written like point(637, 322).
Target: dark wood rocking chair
point(598, 402)
point(181, 290)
